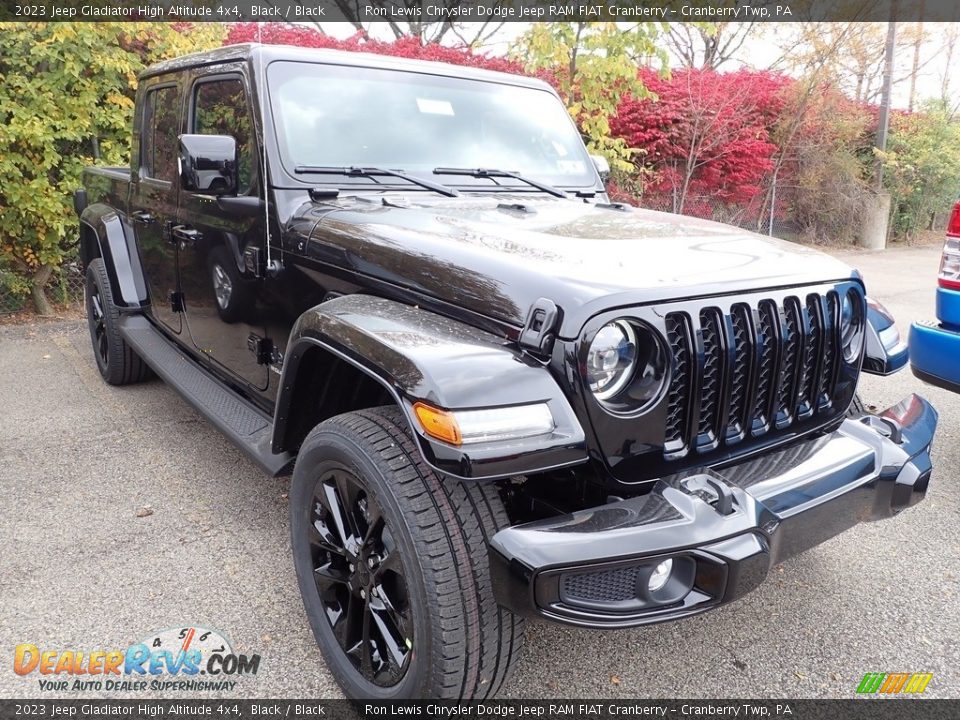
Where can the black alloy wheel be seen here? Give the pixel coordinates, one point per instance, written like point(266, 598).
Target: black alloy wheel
point(360, 578)
point(98, 327)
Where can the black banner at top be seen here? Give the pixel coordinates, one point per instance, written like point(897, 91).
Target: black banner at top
point(481, 10)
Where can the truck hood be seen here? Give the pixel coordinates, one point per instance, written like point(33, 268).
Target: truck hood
point(496, 255)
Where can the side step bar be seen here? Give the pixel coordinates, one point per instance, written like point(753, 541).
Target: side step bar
point(239, 420)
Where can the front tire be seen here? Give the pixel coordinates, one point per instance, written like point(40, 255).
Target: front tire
point(391, 561)
point(117, 362)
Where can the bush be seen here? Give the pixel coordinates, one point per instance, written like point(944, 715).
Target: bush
point(66, 101)
point(922, 167)
point(14, 291)
point(823, 183)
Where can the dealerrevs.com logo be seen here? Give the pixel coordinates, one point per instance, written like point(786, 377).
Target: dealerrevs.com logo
point(186, 658)
point(894, 683)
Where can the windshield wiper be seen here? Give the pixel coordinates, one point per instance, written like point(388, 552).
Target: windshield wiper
point(375, 172)
point(493, 173)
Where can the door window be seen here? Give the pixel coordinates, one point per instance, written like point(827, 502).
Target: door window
point(220, 108)
point(158, 156)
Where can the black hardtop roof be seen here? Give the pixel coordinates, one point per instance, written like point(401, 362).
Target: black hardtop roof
point(248, 52)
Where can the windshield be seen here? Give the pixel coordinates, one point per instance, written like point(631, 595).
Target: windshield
point(328, 115)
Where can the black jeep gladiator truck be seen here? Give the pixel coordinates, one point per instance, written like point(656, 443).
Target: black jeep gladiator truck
point(501, 395)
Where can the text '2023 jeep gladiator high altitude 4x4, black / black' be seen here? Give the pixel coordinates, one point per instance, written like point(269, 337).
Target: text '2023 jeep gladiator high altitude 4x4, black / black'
point(501, 395)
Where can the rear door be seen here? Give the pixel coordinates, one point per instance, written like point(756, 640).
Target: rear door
point(154, 194)
point(224, 307)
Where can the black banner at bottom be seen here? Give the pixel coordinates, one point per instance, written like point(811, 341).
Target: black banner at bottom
point(892, 708)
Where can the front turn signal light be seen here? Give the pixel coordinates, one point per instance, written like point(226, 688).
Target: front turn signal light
point(483, 425)
point(438, 423)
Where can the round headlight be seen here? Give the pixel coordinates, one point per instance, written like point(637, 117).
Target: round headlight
point(851, 326)
point(611, 359)
point(627, 366)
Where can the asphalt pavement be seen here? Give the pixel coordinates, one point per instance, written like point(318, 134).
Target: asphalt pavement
point(124, 513)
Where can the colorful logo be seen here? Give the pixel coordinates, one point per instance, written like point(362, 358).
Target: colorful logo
point(166, 660)
point(894, 683)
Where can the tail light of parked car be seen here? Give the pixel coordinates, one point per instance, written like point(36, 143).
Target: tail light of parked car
point(949, 276)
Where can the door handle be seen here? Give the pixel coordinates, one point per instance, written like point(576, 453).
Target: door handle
point(185, 234)
point(143, 217)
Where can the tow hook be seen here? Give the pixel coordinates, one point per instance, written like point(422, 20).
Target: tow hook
point(712, 490)
point(887, 427)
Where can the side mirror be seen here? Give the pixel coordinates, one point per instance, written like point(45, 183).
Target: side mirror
point(208, 164)
point(603, 167)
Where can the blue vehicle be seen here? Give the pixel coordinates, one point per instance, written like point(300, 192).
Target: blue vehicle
point(935, 345)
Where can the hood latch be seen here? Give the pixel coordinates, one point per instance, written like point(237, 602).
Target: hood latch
point(538, 335)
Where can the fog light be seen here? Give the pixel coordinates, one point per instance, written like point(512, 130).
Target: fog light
point(660, 575)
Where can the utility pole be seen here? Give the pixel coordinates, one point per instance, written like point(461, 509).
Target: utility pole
point(876, 216)
point(917, 42)
point(883, 121)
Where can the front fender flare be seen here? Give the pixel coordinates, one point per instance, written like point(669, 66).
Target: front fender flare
point(117, 247)
point(419, 355)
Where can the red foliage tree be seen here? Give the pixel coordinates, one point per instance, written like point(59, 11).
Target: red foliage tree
point(405, 47)
point(706, 133)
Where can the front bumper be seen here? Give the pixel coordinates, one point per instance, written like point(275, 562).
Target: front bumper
point(723, 529)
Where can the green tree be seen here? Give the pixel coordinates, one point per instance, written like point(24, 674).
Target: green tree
point(66, 101)
point(922, 167)
point(593, 65)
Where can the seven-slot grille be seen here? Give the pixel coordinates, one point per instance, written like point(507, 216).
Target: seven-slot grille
point(747, 369)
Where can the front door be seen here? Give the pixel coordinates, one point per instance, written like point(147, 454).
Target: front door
point(224, 314)
point(154, 193)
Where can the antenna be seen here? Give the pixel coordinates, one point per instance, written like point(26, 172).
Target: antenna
point(261, 91)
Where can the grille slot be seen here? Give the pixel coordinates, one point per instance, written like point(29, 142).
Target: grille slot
point(755, 368)
point(767, 340)
point(742, 360)
point(810, 382)
point(711, 378)
point(680, 385)
point(790, 365)
point(828, 378)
